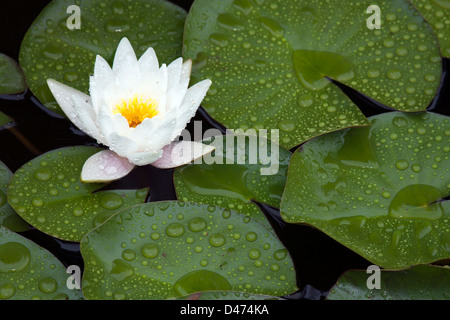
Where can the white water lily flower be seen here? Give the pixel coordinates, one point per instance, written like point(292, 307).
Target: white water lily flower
point(137, 109)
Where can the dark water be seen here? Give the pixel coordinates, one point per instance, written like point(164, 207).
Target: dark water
point(319, 260)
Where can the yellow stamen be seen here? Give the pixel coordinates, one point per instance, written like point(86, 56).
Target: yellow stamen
point(136, 110)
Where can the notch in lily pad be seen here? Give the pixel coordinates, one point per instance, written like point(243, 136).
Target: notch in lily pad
point(47, 193)
point(242, 169)
point(271, 62)
point(381, 191)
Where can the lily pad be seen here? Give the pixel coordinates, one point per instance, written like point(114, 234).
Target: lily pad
point(4, 119)
point(231, 177)
point(8, 217)
point(437, 13)
point(270, 62)
point(48, 193)
point(418, 283)
point(378, 190)
point(226, 295)
point(11, 76)
point(29, 272)
point(170, 249)
point(51, 50)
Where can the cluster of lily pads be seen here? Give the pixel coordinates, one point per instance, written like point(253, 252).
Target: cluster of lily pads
point(378, 185)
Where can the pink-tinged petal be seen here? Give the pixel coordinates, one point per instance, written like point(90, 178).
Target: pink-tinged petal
point(180, 153)
point(105, 166)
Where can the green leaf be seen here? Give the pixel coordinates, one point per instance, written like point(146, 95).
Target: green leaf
point(29, 272)
point(418, 283)
point(437, 13)
point(269, 62)
point(11, 76)
point(378, 190)
point(48, 193)
point(4, 119)
point(51, 50)
point(231, 177)
point(226, 295)
point(8, 217)
point(171, 249)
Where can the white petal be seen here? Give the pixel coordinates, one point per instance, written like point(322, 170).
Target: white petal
point(145, 158)
point(101, 81)
point(126, 65)
point(102, 70)
point(178, 85)
point(105, 166)
point(144, 133)
point(174, 73)
point(109, 123)
point(180, 153)
point(121, 145)
point(87, 118)
point(191, 102)
point(186, 72)
point(63, 95)
point(149, 62)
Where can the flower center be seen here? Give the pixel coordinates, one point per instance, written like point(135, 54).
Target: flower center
point(136, 110)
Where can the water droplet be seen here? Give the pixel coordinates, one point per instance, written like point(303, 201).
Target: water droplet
point(229, 22)
point(394, 74)
point(399, 122)
point(7, 290)
point(128, 255)
point(53, 52)
point(13, 257)
point(402, 165)
point(217, 240)
point(111, 201)
point(197, 224)
point(280, 254)
point(251, 236)
point(287, 125)
point(197, 281)
point(272, 26)
point(117, 25)
point(219, 39)
point(78, 212)
point(121, 270)
point(43, 174)
point(254, 254)
point(306, 100)
point(48, 285)
point(150, 251)
point(175, 230)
